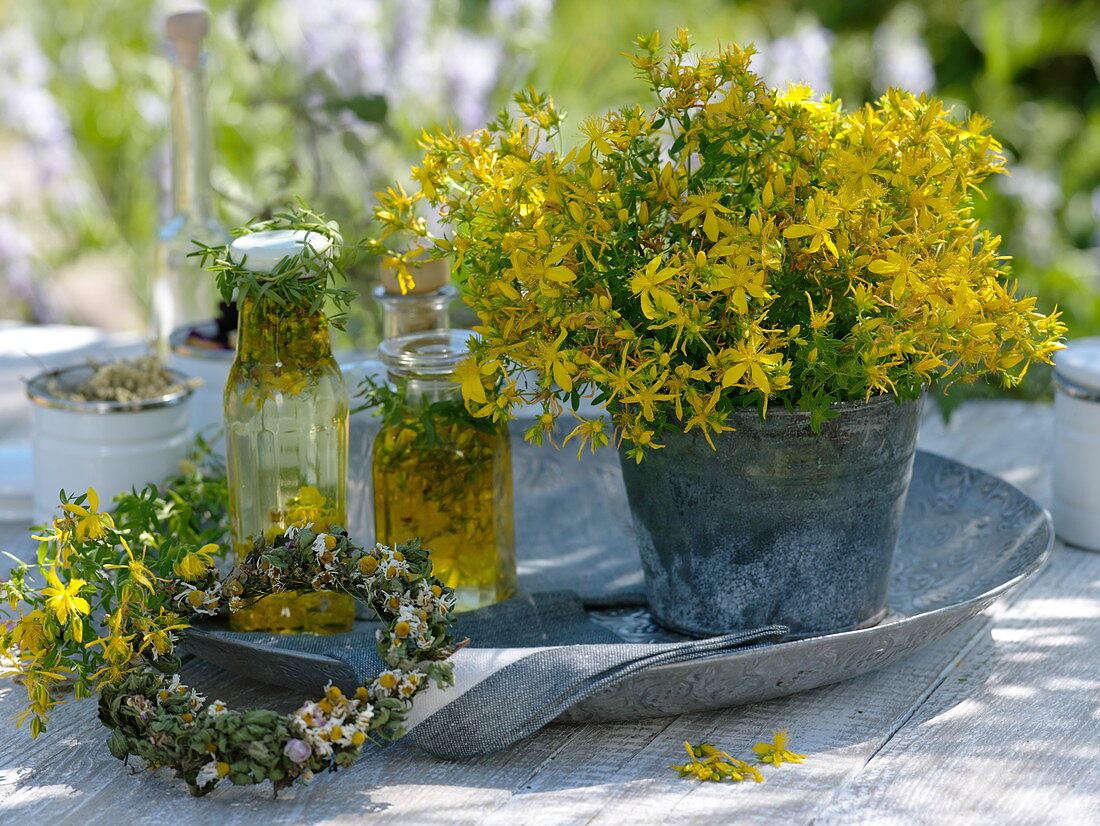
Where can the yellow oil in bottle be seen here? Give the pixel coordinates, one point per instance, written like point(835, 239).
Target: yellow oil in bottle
point(456, 495)
point(286, 417)
point(296, 612)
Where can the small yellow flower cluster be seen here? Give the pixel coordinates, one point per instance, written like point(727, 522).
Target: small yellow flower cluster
point(733, 245)
point(708, 763)
point(85, 556)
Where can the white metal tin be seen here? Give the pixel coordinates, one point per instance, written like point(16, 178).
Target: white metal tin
point(1076, 460)
point(109, 446)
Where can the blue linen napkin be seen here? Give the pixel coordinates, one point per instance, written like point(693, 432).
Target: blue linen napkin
point(530, 659)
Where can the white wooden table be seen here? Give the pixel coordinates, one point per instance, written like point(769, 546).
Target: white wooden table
point(997, 723)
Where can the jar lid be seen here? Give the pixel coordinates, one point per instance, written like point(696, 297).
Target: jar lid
point(430, 353)
point(262, 251)
point(1079, 363)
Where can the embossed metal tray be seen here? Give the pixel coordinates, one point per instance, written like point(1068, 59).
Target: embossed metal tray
point(967, 538)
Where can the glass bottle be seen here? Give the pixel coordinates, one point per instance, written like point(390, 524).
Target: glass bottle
point(286, 416)
point(183, 293)
point(441, 475)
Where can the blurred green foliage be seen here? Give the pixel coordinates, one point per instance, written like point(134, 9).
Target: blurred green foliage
point(283, 130)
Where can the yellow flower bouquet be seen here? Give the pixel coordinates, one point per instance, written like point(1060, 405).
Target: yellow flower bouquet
point(731, 246)
point(753, 288)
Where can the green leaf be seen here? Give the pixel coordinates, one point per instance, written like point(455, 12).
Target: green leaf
point(368, 108)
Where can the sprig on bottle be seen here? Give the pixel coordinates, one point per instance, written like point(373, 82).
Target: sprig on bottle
point(310, 278)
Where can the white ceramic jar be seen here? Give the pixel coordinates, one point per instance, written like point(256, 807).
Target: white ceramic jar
point(109, 446)
point(1076, 461)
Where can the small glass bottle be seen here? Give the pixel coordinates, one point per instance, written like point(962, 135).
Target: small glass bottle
point(286, 420)
point(441, 475)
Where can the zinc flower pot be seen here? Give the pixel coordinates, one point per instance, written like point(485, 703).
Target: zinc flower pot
point(109, 446)
point(777, 524)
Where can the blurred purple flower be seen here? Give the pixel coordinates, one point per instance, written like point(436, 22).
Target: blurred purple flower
point(472, 64)
point(29, 111)
point(800, 57)
point(902, 60)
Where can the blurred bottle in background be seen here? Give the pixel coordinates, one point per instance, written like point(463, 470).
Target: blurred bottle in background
point(184, 295)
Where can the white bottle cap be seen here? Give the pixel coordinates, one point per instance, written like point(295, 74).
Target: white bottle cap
point(262, 251)
point(1079, 363)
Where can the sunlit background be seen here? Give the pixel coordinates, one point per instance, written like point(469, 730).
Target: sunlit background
point(323, 99)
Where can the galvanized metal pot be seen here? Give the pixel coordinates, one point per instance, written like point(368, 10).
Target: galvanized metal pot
point(779, 524)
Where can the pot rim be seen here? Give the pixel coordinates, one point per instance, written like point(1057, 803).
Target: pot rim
point(840, 407)
point(38, 393)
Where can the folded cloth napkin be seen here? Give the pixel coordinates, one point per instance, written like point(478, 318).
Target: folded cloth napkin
point(530, 658)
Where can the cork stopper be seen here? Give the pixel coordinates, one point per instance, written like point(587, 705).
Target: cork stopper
point(185, 32)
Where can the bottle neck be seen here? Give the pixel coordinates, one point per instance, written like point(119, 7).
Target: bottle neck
point(416, 312)
point(288, 335)
point(190, 136)
point(422, 390)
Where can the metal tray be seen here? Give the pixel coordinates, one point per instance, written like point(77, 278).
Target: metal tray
point(967, 538)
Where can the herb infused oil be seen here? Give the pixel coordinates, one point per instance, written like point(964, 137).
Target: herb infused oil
point(286, 416)
point(440, 474)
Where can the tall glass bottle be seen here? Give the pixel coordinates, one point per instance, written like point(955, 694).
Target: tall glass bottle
point(441, 475)
point(183, 293)
point(286, 419)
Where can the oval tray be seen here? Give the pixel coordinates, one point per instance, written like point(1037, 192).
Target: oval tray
point(967, 537)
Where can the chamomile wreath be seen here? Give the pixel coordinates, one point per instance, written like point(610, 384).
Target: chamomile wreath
point(107, 602)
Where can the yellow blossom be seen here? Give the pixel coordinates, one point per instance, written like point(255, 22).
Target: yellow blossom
point(706, 205)
point(648, 284)
point(63, 599)
point(29, 632)
point(139, 572)
point(194, 564)
point(90, 523)
point(777, 752)
point(817, 228)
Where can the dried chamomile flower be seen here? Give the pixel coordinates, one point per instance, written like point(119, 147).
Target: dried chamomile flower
point(126, 380)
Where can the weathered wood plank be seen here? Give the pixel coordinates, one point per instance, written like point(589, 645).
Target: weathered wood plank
point(838, 726)
point(1013, 736)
